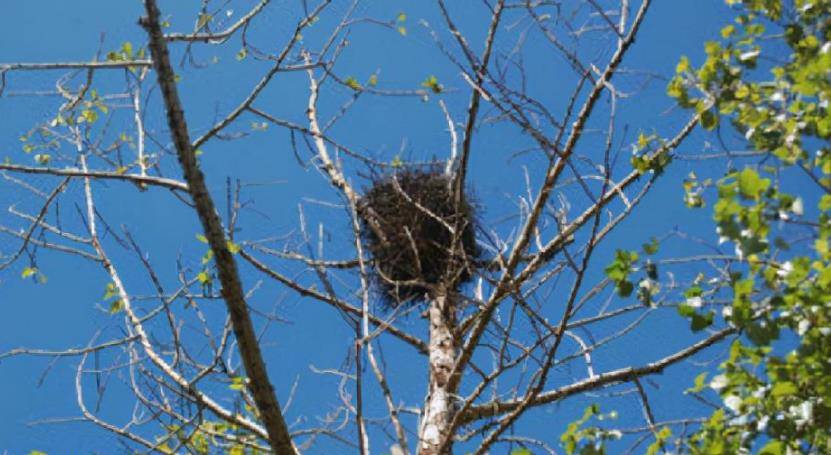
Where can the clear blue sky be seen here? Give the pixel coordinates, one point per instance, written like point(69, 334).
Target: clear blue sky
point(65, 312)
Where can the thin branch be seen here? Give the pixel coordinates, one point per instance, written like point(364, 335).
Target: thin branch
point(137, 327)
point(74, 65)
point(255, 92)
point(627, 374)
point(68, 352)
point(507, 280)
point(28, 235)
point(106, 175)
point(219, 37)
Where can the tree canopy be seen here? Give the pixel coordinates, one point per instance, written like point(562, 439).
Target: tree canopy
point(380, 227)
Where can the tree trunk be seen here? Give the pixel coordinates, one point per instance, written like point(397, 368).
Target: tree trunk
point(438, 408)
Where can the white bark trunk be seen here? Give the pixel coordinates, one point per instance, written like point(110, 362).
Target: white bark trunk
point(438, 409)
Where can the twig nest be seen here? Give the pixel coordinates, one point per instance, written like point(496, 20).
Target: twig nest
point(418, 234)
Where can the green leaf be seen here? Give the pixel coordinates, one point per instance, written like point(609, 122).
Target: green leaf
point(433, 84)
point(618, 271)
point(116, 306)
point(28, 271)
point(825, 203)
point(784, 389)
point(651, 247)
point(353, 83)
point(727, 31)
point(644, 141)
point(762, 334)
point(625, 288)
point(89, 115)
point(693, 291)
point(709, 121)
point(773, 448)
point(233, 247)
point(651, 270)
point(110, 291)
point(685, 310)
point(203, 20)
point(204, 277)
point(201, 238)
point(683, 65)
point(206, 258)
point(237, 383)
point(660, 439)
point(698, 383)
point(751, 185)
point(742, 92)
point(701, 321)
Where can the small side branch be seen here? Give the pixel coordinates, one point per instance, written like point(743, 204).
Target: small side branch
point(495, 408)
point(105, 175)
point(74, 65)
point(219, 37)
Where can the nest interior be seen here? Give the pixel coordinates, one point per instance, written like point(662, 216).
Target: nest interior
point(417, 234)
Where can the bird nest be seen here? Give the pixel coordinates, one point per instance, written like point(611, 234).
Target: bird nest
point(418, 235)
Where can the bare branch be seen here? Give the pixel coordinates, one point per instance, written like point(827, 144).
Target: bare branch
point(219, 37)
point(249, 348)
point(75, 65)
point(105, 175)
point(622, 375)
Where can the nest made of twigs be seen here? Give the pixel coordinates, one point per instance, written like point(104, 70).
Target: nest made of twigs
point(418, 234)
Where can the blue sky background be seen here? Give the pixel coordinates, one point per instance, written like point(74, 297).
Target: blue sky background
point(66, 311)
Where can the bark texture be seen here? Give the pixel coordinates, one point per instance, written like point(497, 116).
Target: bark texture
point(232, 292)
point(438, 409)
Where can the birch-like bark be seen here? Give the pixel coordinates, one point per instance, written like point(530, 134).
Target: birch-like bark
point(437, 414)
